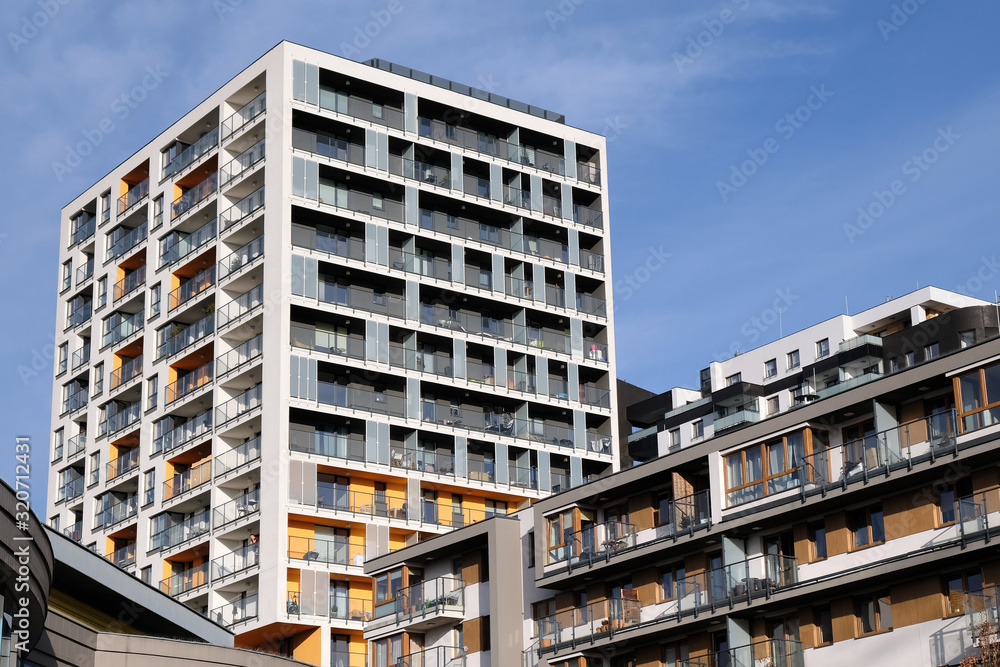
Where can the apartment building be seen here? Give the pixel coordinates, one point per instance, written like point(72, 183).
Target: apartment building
point(336, 309)
point(855, 526)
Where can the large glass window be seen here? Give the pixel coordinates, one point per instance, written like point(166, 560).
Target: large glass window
point(766, 469)
point(978, 396)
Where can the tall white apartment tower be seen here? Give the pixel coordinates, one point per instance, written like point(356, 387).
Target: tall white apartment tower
point(334, 310)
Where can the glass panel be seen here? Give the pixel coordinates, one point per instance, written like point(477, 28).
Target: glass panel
point(734, 470)
point(753, 464)
point(992, 374)
point(970, 388)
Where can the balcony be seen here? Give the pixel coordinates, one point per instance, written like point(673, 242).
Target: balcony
point(439, 463)
point(240, 611)
point(419, 171)
point(441, 656)
point(242, 210)
point(187, 480)
point(190, 383)
point(191, 528)
point(75, 401)
point(331, 605)
point(748, 413)
point(469, 323)
point(464, 228)
point(483, 420)
point(80, 314)
point(128, 371)
point(591, 305)
point(327, 242)
point(328, 552)
point(185, 433)
point(327, 342)
point(340, 498)
point(236, 562)
point(239, 508)
point(587, 172)
point(544, 248)
point(422, 265)
point(246, 115)
point(591, 261)
point(542, 339)
point(135, 196)
point(480, 373)
point(981, 608)
point(376, 114)
point(240, 306)
point(83, 228)
point(237, 457)
point(330, 147)
point(71, 489)
point(242, 354)
point(424, 606)
point(520, 289)
point(238, 405)
point(74, 532)
point(850, 383)
point(523, 477)
point(85, 272)
point(598, 542)
point(518, 381)
point(878, 454)
point(117, 513)
point(471, 140)
point(184, 582)
point(390, 305)
point(241, 257)
point(588, 623)
point(595, 396)
point(186, 291)
point(743, 581)
point(196, 150)
point(129, 283)
point(241, 164)
point(179, 337)
point(771, 652)
point(75, 445)
point(123, 244)
point(588, 217)
point(374, 205)
point(126, 326)
point(194, 196)
point(859, 341)
point(120, 420)
point(358, 398)
point(124, 464)
point(122, 557)
point(321, 443)
point(177, 246)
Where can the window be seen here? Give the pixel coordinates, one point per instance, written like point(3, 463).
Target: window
point(63, 358)
point(978, 397)
point(705, 379)
point(495, 507)
point(151, 391)
point(817, 540)
point(894, 365)
point(484, 640)
point(966, 339)
point(157, 211)
point(735, 378)
point(698, 429)
point(822, 348)
point(956, 502)
point(772, 406)
point(531, 549)
point(378, 111)
point(824, 625)
point(770, 368)
point(671, 578)
point(146, 574)
point(909, 359)
point(662, 515)
point(150, 484)
point(932, 351)
point(541, 612)
point(674, 437)
point(54, 523)
point(154, 300)
point(761, 470)
point(57, 444)
point(793, 359)
point(959, 585)
point(377, 202)
point(867, 526)
point(102, 291)
point(106, 206)
point(560, 532)
point(874, 613)
point(98, 378)
point(95, 468)
point(67, 277)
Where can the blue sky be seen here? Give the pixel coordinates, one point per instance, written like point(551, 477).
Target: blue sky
point(744, 135)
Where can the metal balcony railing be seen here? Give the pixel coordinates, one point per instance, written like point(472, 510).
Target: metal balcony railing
point(124, 464)
point(190, 383)
point(771, 652)
point(189, 580)
point(186, 157)
point(247, 114)
point(125, 327)
point(194, 196)
point(242, 305)
point(238, 561)
point(328, 342)
point(239, 611)
point(191, 528)
point(71, 489)
point(183, 434)
point(121, 420)
point(127, 371)
point(123, 244)
point(85, 272)
point(358, 398)
point(589, 622)
point(242, 354)
point(374, 113)
point(135, 195)
point(238, 456)
point(117, 513)
point(426, 598)
point(187, 480)
point(123, 556)
point(440, 463)
point(178, 337)
point(245, 505)
point(440, 656)
point(244, 208)
point(83, 228)
point(238, 405)
point(597, 542)
point(241, 257)
point(176, 246)
point(201, 281)
point(321, 443)
point(340, 607)
point(329, 552)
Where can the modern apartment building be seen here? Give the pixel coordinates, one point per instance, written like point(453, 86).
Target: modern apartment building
point(336, 309)
point(853, 523)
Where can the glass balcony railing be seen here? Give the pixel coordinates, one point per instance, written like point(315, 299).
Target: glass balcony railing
point(76, 444)
point(136, 195)
point(242, 210)
point(238, 456)
point(592, 305)
point(242, 354)
point(539, 247)
point(186, 291)
point(189, 580)
point(858, 341)
point(327, 146)
point(359, 398)
point(743, 581)
point(436, 363)
point(434, 596)
point(518, 381)
point(482, 470)
point(523, 477)
point(85, 272)
point(521, 289)
point(391, 305)
point(128, 241)
point(436, 462)
point(596, 542)
point(129, 283)
point(179, 337)
point(246, 115)
point(595, 396)
point(239, 611)
point(123, 556)
point(464, 228)
point(71, 489)
point(328, 242)
point(194, 196)
point(75, 401)
point(74, 532)
point(588, 172)
point(341, 607)
point(242, 305)
point(128, 371)
point(558, 388)
point(770, 652)
point(430, 267)
point(121, 420)
point(542, 339)
point(595, 351)
point(376, 114)
point(420, 171)
point(517, 197)
point(123, 328)
point(238, 406)
point(80, 314)
point(176, 246)
point(190, 383)
point(240, 257)
point(591, 260)
point(183, 434)
point(875, 454)
point(235, 562)
point(471, 140)
point(331, 552)
point(117, 513)
point(327, 342)
point(340, 498)
point(196, 150)
point(365, 203)
point(469, 323)
point(748, 413)
point(241, 164)
point(124, 464)
point(190, 479)
point(588, 217)
point(321, 443)
point(84, 228)
point(589, 622)
point(849, 383)
point(440, 656)
point(245, 505)
point(473, 418)
point(560, 481)
point(191, 528)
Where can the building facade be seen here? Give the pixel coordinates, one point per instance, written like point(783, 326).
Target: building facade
point(854, 522)
point(334, 310)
